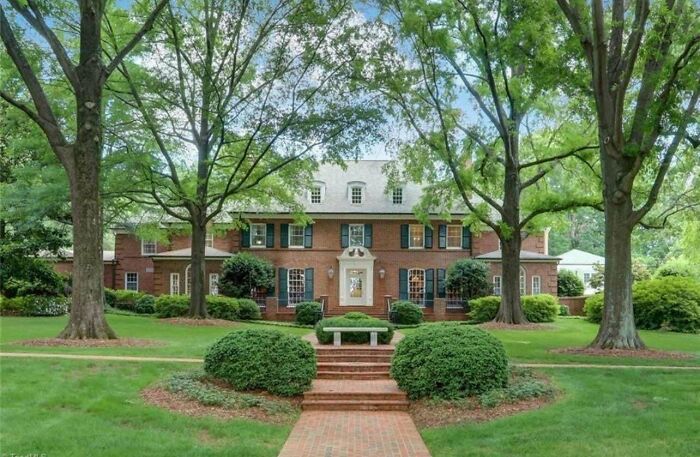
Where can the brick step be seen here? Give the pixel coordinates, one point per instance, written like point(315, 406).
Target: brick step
point(352, 375)
point(354, 366)
point(355, 350)
point(355, 405)
point(311, 395)
point(377, 358)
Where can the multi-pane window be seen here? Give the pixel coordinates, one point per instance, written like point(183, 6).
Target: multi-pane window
point(416, 286)
point(356, 195)
point(209, 240)
point(257, 235)
point(497, 285)
point(586, 279)
point(397, 196)
point(213, 283)
point(416, 234)
point(454, 236)
point(131, 281)
point(174, 283)
point(148, 247)
point(522, 281)
point(536, 285)
point(188, 280)
point(296, 236)
point(316, 194)
point(295, 286)
point(357, 235)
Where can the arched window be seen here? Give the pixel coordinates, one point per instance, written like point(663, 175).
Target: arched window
point(523, 278)
point(188, 280)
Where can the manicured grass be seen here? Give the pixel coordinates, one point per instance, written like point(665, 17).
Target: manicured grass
point(534, 345)
point(79, 408)
point(602, 412)
point(179, 340)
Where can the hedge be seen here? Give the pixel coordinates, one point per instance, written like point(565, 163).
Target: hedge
point(248, 309)
point(537, 308)
point(220, 307)
point(172, 305)
point(406, 313)
point(263, 359)
point(35, 305)
point(593, 307)
point(353, 320)
point(308, 313)
point(449, 361)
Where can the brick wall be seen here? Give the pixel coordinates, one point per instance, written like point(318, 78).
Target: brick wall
point(66, 268)
point(163, 268)
point(547, 271)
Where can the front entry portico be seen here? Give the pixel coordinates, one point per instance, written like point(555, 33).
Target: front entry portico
point(356, 266)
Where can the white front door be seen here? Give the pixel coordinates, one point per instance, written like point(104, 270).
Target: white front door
point(356, 286)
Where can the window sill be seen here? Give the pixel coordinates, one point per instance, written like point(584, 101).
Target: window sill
point(258, 247)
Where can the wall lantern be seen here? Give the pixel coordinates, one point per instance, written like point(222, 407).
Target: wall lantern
point(331, 272)
point(382, 272)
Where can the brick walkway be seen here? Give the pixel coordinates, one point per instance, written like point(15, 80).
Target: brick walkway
point(354, 434)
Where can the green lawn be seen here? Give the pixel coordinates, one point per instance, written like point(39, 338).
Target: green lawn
point(607, 413)
point(78, 408)
point(178, 340)
point(534, 345)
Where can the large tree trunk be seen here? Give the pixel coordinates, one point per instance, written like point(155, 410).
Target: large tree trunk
point(87, 318)
point(617, 330)
point(198, 304)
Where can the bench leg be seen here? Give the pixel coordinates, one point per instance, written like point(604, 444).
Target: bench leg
point(373, 338)
point(336, 338)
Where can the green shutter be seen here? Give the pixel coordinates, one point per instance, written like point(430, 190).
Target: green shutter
point(368, 235)
point(284, 235)
point(404, 236)
point(442, 236)
point(429, 287)
point(403, 284)
point(466, 238)
point(282, 282)
point(245, 237)
point(441, 291)
point(309, 284)
point(428, 237)
point(308, 236)
point(344, 235)
point(270, 236)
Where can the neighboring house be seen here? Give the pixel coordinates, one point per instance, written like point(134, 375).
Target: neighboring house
point(364, 250)
point(582, 263)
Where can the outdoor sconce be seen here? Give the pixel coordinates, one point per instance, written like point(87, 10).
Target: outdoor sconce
point(331, 272)
point(382, 272)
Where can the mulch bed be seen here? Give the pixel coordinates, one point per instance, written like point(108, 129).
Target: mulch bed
point(198, 322)
point(429, 413)
point(502, 326)
point(121, 342)
point(636, 353)
point(177, 403)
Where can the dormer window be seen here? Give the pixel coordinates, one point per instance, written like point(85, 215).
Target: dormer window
point(148, 247)
point(356, 195)
point(209, 240)
point(317, 193)
point(397, 196)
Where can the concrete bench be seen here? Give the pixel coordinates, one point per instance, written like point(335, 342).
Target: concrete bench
point(373, 331)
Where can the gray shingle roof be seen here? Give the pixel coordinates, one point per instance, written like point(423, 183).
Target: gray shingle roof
point(524, 255)
point(209, 253)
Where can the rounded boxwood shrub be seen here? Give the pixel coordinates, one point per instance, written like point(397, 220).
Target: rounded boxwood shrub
point(354, 315)
point(146, 304)
point(308, 312)
point(248, 309)
point(484, 309)
point(126, 299)
point(671, 303)
point(353, 321)
point(449, 361)
point(220, 307)
point(569, 284)
point(540, 308)
point(172, 305)
point(593, 307)
point(406, 313)
point(263, 360)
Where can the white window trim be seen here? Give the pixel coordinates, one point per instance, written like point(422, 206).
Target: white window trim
point(155, 247)
point(289, 237)
point(172, 277)
point(188, 281)
point(447, 237)
point(500, 285)
point(422, 300)
point(422, 246)
point(522, 281)
point(303, 282)
point(392, 196)
point(250, 236)
point(126, 282)
point(212, 276)
point(322, 192)
point(539, 285)
point(207, 238)
point(350, 226)
point(363, 188)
